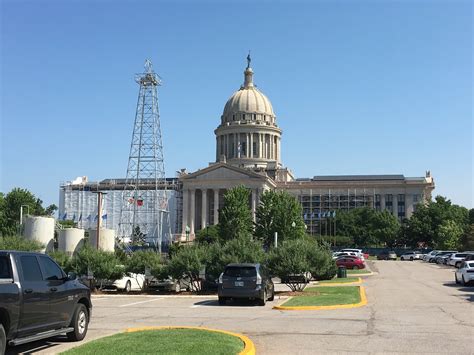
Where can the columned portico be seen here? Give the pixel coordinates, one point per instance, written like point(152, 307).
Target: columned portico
point(204, 208)
point(216, 206)
point(192, 213)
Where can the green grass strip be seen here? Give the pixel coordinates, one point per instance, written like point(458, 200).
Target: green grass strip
point(325, 296)
point(339, 281)
point(359, 271)
point(165, 341)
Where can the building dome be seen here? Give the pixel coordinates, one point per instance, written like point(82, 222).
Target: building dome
point(248, 135)
point(248, 103)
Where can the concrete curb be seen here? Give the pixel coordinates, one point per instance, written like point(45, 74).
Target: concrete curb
point(249, 347)
point(363, 302)
point(359, 280)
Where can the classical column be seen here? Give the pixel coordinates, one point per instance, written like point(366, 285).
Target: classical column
point(395, 205)
point(185, 211)
point(193, 210)
point(251, 145)
point(216, 206)
point(254, 204)
point(204, 209)
point(382, 201)
point(408, 205)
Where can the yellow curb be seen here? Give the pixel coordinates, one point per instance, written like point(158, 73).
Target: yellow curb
point(359, 280)
point(249, 348)
point(363, 302)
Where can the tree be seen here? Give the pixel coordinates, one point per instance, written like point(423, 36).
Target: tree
point(467, 239)
point(208, 235)
point(188, 262)
point(449, 234)
point(138, 238)
point(62, 259)
point(368, 227)
point(139, 261)
point(235, 218)
point(278, 212)
point(322, 265)
point(424, 226)
point(10, 207)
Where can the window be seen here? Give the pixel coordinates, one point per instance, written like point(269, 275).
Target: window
point(51, 270)
point(254, 149)
point(5, 272)
point(31, 268)
point(244, 271)
point(243, 117)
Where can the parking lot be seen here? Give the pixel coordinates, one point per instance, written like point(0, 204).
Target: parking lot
point(413, 307)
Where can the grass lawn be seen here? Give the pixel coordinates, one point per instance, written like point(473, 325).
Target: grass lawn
point(359, 271)
point(339, 281)
point(163, 341)
point(325, 296)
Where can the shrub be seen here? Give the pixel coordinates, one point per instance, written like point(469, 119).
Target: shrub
point(188, 262)
point(322, 265)
point(139, 261)
point(62, 259)
point(19, 243)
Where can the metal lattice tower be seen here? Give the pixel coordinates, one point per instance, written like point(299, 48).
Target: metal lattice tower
point(144, 211)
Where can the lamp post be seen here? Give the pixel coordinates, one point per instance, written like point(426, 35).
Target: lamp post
point(21, 212)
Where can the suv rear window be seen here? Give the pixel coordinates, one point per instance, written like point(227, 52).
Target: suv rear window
point(5, 272)
point(240, 271)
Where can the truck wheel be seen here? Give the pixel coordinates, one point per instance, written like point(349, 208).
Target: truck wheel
point(3, 340)
point(80, 323)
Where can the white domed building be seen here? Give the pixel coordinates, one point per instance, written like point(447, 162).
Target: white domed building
point(248, 152)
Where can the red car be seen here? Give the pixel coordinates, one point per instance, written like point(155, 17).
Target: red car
point(350, 262)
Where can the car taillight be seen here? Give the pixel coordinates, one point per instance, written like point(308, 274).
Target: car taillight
point(220, 277)
point(259, 279)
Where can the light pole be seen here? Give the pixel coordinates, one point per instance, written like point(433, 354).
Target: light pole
point(99, 214)
point(21, 212)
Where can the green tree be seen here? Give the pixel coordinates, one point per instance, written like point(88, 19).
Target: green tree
point(208, 235)
point(278, 212)
point(62, 259)
point(449, 234)
point(322, 265)
point(139, 261)
point(290, 258)
point(104, 265)
point(368, 227)
point(188, 263)
point(425, 223)
point(19, 243)
point(10, 207)
point(235, 218)
point(138, 237)
point(467, 239)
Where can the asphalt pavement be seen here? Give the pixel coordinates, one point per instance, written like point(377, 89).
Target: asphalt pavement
point(413, 307)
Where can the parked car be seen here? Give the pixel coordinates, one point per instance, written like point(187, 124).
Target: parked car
point(357, 252)
point(455, 259)
point(350, 262)
point(170, 284)
point(411, 255)
point(430, 255)
point(387, 255)
point(38, 300)
point(441, 256)
point(469, 256)
point(249, 281)
point(130, 282)
point(338, 254)
point(465, 273)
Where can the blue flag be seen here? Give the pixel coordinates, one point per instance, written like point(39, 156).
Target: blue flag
point(80, 217)
point(104, 216)
point(74, 217)
point(89, 217)
point(95, 218)
point(64, 216)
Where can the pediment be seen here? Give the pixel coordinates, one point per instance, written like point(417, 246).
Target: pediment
point(222, 171)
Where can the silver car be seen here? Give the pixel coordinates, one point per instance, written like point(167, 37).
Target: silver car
point(411, 255)
point(465, 274)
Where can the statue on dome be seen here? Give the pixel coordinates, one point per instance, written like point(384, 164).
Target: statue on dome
point(248, 60)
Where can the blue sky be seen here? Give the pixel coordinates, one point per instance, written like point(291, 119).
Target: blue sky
point(359, 87)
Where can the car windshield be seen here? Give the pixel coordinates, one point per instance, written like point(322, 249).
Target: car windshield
point(240, 271)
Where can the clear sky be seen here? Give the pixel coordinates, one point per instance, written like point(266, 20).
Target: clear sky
point(358, 87)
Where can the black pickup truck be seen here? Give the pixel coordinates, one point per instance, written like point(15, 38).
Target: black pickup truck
point(38, 300)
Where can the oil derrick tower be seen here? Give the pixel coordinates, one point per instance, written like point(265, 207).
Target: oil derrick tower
point(144, 215)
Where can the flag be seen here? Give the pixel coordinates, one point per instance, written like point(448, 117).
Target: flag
point(80, 217)
point(334, 214)
point(104, 216)
point(74, 217)
point(140, 202)
point(319, 215)
point(305, 216)
point(89, 217)
point(64, 216)
point(95, 218)
point(131, 201)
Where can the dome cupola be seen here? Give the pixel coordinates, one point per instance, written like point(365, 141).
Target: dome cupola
point(248, 135)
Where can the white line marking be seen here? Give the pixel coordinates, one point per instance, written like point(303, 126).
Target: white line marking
point(132, 304)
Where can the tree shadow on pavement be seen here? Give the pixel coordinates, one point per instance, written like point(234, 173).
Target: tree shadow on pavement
point(236, 303)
